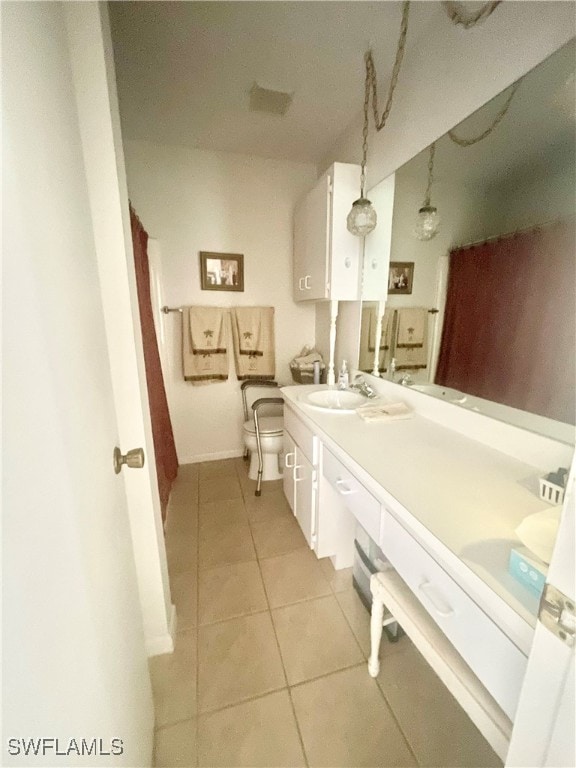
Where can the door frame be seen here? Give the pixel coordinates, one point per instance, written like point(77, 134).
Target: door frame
point(92, 61)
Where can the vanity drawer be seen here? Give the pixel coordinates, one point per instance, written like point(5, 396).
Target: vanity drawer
point(491, 655)
point(303, 437)
point(365, 508)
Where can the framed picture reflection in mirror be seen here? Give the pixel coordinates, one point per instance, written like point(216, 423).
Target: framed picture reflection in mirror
point(400, 277)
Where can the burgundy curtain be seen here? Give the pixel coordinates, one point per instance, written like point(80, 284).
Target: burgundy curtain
point(164, 448)
point(509, 328)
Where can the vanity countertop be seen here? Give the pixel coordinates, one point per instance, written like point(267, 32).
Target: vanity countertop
point(469, 496)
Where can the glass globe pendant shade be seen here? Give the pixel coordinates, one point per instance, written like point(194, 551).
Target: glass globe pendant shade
point(362, 218)
point(427, 223)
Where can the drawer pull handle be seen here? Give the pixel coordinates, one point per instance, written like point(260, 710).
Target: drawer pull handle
point(442, 608)
point(307, 285)
point(301, 284)
point(343, 488)
point(294, 473)
point(286, 464)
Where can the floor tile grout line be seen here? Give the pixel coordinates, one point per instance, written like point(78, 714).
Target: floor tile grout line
point(397, 721)
point(350, 626)
point(298, 730)
point(240, 702)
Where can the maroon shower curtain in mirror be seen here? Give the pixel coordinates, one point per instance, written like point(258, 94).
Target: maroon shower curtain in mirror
point(509, 327)
point(164, 448)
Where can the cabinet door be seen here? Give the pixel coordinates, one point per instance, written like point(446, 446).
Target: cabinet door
point(378, 245)
point(288, 475)
point(304, 476)
point(345, 271)
point(311, 242)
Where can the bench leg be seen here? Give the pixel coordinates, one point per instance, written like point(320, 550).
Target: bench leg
point(376, 619)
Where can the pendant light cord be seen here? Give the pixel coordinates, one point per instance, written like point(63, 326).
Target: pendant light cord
point(430, 175)
point(469, 142)
point(371, 88)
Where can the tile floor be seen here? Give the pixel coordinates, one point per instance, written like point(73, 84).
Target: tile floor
point(269, 667)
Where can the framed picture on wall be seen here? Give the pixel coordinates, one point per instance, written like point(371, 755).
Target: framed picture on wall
point(400, 277)
point(221, 271)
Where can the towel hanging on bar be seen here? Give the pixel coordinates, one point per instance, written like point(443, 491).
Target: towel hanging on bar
point(256, 363)
point(204, 356)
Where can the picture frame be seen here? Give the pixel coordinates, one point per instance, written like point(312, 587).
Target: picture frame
point(400, 277)
point(221, 271)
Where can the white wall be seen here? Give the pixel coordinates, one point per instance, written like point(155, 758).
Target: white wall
point(74, 663)
point(449, 72)
point(198, 200)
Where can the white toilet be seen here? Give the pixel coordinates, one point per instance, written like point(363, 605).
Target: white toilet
point(270, 427)
point(272, 443)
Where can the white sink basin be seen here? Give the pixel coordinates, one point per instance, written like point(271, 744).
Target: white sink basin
point(340, 400)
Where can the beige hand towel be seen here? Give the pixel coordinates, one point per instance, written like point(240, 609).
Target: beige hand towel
point(411, 348)
point(251, 365)
point(412, 327)
point(204, 357)
point(249, 321)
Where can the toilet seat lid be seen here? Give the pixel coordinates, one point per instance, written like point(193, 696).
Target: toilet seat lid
point(269, 425)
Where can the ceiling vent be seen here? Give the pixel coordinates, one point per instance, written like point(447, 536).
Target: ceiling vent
point(272, 102)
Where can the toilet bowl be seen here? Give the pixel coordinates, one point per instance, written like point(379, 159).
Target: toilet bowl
point(272, 443)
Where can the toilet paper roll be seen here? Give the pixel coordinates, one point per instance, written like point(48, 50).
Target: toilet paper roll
point(538, 532)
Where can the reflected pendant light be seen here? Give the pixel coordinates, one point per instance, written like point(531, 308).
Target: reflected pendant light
point(428, 220)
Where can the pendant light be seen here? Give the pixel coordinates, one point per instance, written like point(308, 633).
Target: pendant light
point(362, 218)
point(428, 220)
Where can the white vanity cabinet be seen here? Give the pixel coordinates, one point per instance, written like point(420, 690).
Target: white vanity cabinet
point(326, 256)
point(300, 474)
point(327, 525)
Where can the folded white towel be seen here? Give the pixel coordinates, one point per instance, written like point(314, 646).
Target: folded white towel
point(385, 412)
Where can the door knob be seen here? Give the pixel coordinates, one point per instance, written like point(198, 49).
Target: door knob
point(133, 459)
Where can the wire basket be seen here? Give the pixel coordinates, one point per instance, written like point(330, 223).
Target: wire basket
point(300, 376)
point(550, 492)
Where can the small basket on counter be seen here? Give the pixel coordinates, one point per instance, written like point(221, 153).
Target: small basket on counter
point(553, 486)
point(302, 366)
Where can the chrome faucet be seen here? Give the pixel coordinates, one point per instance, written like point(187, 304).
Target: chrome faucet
point(361, 386)
point(405, 380)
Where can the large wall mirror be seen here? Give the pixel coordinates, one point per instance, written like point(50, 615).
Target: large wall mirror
point(501, 269)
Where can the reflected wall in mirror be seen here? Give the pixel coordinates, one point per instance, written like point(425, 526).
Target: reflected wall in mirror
point(505, 330)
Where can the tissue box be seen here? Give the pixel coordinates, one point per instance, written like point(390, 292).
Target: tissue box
point(528, 569)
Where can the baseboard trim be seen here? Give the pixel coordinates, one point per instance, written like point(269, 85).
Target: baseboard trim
point(211, 456)
point(157, 646)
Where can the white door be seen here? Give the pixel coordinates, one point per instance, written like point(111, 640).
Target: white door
point(305, 497)
point(91, 59)
point(74, 656)
point(544, 728)
point(288, 474)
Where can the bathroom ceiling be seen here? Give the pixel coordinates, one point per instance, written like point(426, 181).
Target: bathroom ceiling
point(185, 70)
